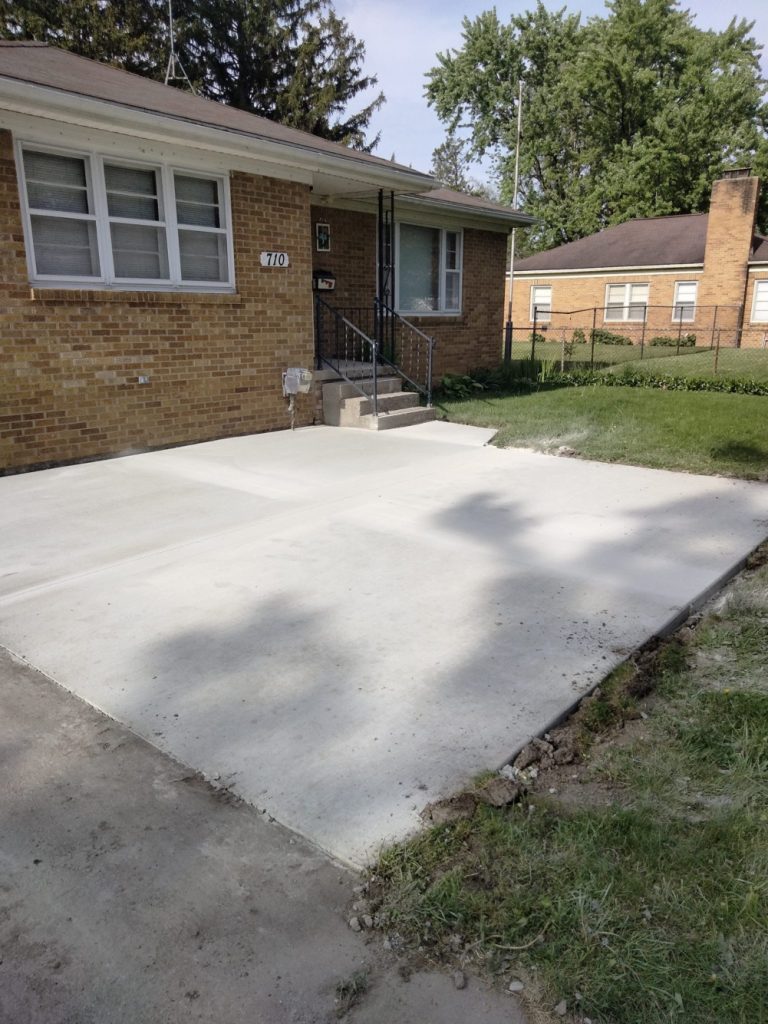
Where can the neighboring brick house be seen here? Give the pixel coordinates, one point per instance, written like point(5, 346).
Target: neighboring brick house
point(135, 221)
point(704, 274)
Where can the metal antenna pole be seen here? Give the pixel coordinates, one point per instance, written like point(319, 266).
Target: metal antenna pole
point(175, 70)
point(514, 196)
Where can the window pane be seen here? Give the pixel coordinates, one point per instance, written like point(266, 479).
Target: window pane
point(65, 247)
point(203, 256)
point(451, 250)
point(43, 196)
point(639, 293)
point(685, 300)
point(52, 167)
point(419, 268)
point(542, 299)
point(135, 207)
point(139, 252)
point(452, 290)
point(56, 183)
point(636, 312)
point(132, 192)
point(761, 301)
point(136, 180)
point(197, 201)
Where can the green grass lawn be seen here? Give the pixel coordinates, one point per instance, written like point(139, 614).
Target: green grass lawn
point(638, 893)
point(745, 363)
point(693, 431)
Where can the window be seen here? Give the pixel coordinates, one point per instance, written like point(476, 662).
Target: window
point(685, 301)
point(760, 303)
point(117, 223)
point(429, 269)
point(541, 302)
point(626, 301)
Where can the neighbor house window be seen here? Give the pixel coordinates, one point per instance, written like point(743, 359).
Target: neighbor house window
point(626, 301)
point(760, 303)
point(685, 301)
point(429, 269)
point(118, 223)
point(541, 302)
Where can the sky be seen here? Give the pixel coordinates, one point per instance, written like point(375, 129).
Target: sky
point(402, 38)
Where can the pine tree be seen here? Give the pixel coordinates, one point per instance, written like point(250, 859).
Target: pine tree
point(293, 61)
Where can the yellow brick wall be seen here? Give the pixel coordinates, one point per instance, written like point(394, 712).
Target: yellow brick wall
point(71, 359)
point(730, 230)
point(465, 341)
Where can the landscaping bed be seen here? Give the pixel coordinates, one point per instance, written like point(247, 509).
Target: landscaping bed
point(625, 878)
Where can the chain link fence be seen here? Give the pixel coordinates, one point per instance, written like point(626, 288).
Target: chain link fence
point(667, 340)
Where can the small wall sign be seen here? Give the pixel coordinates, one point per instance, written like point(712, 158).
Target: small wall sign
point(274, 259)
point(323, 237)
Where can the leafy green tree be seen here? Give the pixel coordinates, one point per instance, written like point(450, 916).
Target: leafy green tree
point(293, 61)
point(450, 164)
point(629, 115)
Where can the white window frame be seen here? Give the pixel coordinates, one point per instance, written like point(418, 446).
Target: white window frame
point(444, 271)
point(760, 285)
point(678, 318)
point(94, 170)
point(542, 316)
point(622, 315)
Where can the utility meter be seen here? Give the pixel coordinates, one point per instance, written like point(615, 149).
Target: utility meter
point(297, 381)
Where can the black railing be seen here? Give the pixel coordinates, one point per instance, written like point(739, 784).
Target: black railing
point(360, 340)
point(406, 348)
point(346, 349)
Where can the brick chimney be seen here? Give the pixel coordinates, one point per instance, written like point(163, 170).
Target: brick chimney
point(730, 230)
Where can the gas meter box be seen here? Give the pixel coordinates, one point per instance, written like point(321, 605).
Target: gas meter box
point(297, 381)
point(324, 280)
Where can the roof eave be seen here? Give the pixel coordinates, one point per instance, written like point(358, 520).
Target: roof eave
point(510, 218)
point(87, 112)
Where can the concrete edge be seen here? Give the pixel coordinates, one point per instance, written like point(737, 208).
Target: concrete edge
point(231, 791)
point(670, 626)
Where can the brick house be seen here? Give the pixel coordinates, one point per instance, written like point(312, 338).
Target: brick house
point(702, 274)
point(158, 251)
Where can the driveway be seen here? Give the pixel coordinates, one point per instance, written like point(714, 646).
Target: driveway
point(341, 625)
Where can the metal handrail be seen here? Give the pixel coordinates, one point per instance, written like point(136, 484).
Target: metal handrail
point(382, 307)
point(336, 367)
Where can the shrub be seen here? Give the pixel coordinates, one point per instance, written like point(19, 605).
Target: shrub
point(460, 386)
point(685, 341)
point(637, 379)
point(579, 337)
point(600, 336)
point(538, 339)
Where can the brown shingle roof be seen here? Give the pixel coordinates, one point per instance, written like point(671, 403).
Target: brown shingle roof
point(475, 204)
point(52, 68)
point(759, 249)
point(656, 241)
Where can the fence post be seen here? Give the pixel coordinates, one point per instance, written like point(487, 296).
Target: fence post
point(717, 355)
point(714, 324)
point(508, 342)
point(679, 333)
point(642, 339)
point(533, 336)
point(592, 339)
point(562, 353)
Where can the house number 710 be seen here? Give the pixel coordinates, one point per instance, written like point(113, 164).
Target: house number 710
point(274, 259)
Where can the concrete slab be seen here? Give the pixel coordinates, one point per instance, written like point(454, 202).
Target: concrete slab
point(343, 625)
point(133, 892)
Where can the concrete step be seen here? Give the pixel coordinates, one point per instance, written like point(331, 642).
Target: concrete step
point(398, 418)
point(338, 389)
point(359, 406)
